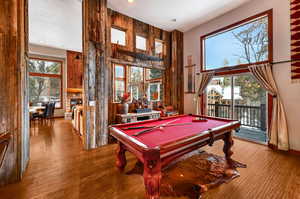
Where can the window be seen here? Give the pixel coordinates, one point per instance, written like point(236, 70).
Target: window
point(243, 43)
point(239, 97)
point(118, 37)
point(45, 81)
point(159, 47)
point(136, 82)
point(119, 82)
point(152, 74)
point(139, 82)
point(141, 43)
point(154, 92)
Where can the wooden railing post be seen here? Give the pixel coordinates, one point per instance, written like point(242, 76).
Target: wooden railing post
point(263, 117)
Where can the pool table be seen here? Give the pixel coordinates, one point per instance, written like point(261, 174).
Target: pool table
point(159, 147)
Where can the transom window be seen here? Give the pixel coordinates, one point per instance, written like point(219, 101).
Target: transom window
point(45, 81)
point(243, 43)
point(118, 36)
point(141, 43)
point(159, 47)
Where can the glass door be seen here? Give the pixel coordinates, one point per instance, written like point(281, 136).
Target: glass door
point(240, 97)
point(250, 108)
point(219, 97)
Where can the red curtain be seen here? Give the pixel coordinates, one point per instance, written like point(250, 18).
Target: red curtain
point(295, 39)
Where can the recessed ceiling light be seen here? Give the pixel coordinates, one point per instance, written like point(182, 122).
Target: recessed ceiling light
point(130, 1)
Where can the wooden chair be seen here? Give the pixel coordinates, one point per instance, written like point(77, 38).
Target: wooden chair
point(43, 115)
point(4, 142)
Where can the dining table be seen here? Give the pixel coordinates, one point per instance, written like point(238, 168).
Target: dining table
point(35, 109)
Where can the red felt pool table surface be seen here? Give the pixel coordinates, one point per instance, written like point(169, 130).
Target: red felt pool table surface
point(171, 134)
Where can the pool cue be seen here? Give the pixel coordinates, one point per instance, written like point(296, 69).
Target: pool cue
point(146, 127)
point(148, 130)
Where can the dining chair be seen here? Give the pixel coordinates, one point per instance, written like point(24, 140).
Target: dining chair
point(4, 142)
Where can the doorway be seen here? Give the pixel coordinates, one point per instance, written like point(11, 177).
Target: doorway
point(240, 97)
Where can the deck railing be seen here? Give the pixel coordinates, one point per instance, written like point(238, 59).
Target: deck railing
point(252, 116)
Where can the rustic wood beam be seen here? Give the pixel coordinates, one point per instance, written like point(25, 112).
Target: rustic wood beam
point(174, 82)
point(140, 56)
point(96, 73)
point(137, 63)
point(13, 95)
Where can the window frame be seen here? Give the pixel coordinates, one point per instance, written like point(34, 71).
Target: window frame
point(58, 76)
point(163, 47)
point(119, 79)
point(138, 49)
point(242, 68)
point(126, 79)
point(158, 91)
point(120, 29)
point(129, 78)
point(152, 80)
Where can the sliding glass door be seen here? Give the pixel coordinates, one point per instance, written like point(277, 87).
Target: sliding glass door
point(240, 97)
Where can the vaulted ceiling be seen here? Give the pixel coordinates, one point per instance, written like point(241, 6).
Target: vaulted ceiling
point(58, 23)
point(175, 14)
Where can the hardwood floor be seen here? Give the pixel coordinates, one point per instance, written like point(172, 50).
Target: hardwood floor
point(60, 169)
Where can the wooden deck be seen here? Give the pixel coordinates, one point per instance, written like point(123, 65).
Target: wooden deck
point(252, 134)
point(60, 169)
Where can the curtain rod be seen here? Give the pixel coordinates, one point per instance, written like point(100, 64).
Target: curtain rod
point(286, 61)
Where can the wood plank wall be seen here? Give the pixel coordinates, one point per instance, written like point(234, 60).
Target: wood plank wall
point(173, 78)
point(175, 72)
point(13, 45)
point(74, 69)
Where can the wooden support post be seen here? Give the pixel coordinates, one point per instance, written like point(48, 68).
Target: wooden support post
point(174, 82)
point(96, 73)
point(13, 95)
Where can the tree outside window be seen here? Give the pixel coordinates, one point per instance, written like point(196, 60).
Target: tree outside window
point(45, 81)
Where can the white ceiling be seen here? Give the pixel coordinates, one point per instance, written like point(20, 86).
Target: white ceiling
point(188, 13)
point(58, 23)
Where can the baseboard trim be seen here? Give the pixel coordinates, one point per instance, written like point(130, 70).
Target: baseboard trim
point(295, 152)
point(271, 146)
point(251, 141)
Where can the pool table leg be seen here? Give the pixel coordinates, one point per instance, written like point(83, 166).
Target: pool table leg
point(121, 157)
point(228, 143)
point(152, 174)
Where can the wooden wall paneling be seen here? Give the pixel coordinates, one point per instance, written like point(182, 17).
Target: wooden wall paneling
point(74, 69)
point(167, 59)
point(95, 73)
point(124, 23)
point(134, 27)
point(176, 83)
point(141, 29)
point(151, 41)
point(13, 46)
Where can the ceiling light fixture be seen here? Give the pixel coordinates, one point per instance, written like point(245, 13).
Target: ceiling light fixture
point(130, 1)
